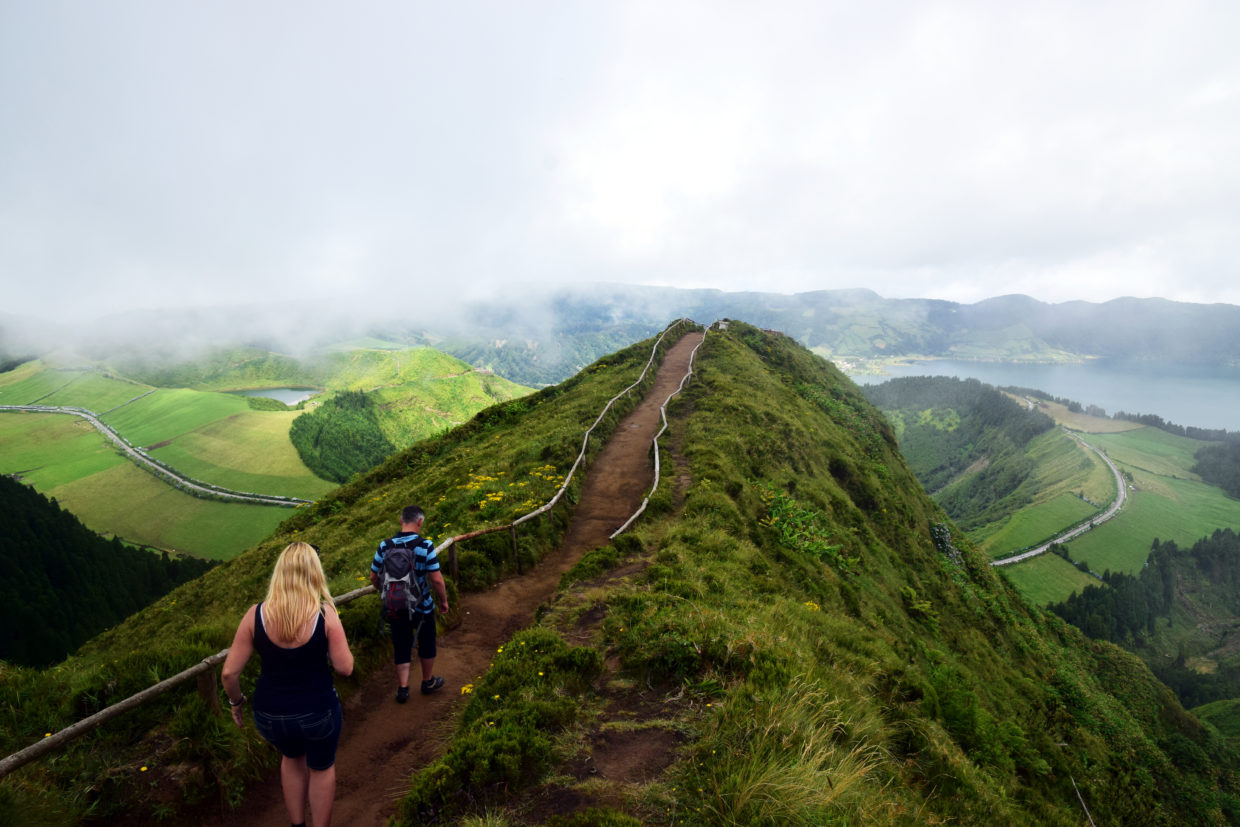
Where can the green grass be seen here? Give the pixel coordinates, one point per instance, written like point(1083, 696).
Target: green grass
point(1047, 578)
point(1031, 525)
point(247, 451)
point(141, 508)
point(171, 412)
point(50, 450)
point(1182, 510)
point(95, 392)
point(1064, 471)
point(30, 382)
point(65, 457)
point(1151, 450)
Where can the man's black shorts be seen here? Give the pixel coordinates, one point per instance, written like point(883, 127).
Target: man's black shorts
point(402, 638)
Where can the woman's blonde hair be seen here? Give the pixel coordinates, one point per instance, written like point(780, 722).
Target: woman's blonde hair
point(298, 590)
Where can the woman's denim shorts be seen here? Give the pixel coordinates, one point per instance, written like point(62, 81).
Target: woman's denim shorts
point(312, 734)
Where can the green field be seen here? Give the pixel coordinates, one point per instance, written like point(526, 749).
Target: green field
point(49, 450)
point(129, 502)
point(1152, 451)
point(172, 412)
point(1167, 502)
point(212, 437)
point(247, 451)
point(1182, 511)
point(35, 383)
point(66, 458)
point(1065, 471)
point(1046, 578)
point(1032, 525)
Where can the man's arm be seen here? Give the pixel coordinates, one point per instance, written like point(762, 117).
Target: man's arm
point(435, 578)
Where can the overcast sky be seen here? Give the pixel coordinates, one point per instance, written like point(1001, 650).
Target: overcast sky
point(167, 153)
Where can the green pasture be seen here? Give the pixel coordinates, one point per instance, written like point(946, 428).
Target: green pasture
point(1185, 513)
point(64, 457)
point(1064, 465)
point(129, 502)
point(49, 450)
point(1065, 470)
point(247, 451)
point(1032, 525)
point(95, 392)
point(31, 382)
point(170, 412)
point(1047, 578)
point(428, 406)
point(1151, 450)
point(368, 370)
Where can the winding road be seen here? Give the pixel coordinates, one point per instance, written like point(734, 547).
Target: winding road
point(1073, 533)
point(140, 457)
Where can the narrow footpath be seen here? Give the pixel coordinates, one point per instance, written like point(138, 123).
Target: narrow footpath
point(383, 742)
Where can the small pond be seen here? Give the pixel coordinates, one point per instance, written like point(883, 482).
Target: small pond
point(289, 396)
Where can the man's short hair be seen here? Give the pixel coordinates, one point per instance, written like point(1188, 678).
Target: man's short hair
point(410, 514)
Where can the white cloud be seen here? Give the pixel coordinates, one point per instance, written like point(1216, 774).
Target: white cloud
point(157, 155)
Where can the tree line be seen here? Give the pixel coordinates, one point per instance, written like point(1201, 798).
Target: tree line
point(341, 437)
point(61, 584)
point(1126, 609)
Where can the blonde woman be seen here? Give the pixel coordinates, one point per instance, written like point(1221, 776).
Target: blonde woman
point(296, 633)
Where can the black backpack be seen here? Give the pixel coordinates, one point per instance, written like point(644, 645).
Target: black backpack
point(400, 592)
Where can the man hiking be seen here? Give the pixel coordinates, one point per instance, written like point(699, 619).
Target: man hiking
point(422, 584)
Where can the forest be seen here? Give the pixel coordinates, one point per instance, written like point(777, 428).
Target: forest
point(61, 583)
point(947, 426)
point(341, 437)
point(1127, 609)
point(1219, 463)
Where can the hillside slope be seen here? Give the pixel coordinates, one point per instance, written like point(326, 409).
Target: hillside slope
point(794, 621)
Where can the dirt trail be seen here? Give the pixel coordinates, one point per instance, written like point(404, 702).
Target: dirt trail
point(383, 742)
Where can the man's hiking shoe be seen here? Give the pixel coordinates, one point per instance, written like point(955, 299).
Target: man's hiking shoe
point(402, 694)
point(433, 685)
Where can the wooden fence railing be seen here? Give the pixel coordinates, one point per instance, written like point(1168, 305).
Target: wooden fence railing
point(204, 671)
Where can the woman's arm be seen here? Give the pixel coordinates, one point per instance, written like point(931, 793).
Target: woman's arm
point(337, 644)
point(234, 664)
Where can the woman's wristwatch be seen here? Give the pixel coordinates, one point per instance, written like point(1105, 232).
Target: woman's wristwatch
point(237, 703)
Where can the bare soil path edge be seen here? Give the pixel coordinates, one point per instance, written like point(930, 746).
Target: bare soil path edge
point(384, 743)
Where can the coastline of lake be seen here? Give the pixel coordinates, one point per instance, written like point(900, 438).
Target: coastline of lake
point(289, 396)
point(1196, 395)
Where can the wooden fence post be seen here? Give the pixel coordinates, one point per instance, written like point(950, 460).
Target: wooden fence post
point(207, 691)
point(516, 558)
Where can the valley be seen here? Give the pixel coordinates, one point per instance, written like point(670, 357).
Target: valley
point(218, 470)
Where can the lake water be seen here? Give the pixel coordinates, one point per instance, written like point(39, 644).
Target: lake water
point(289, 396)
point(1205, 397)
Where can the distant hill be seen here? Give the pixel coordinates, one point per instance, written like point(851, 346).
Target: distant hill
point(61, 584)
point(808, 636)
point(541, 335)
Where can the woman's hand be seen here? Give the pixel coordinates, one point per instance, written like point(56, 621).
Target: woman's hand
point(236, 709)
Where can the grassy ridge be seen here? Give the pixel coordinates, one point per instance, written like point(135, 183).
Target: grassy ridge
point(823, 653)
